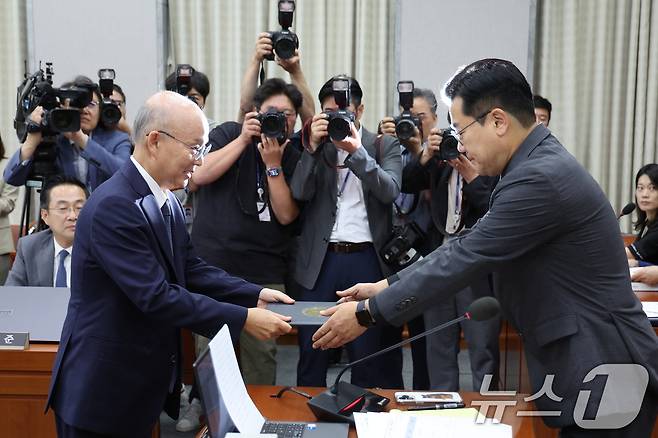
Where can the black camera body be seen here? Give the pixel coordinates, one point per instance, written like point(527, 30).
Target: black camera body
point(406, 123)
point(184, 74)
point(399, 250)
point(273, 124)
point(340, 120)
point(284, 41)
point(110, 111)
point(448, 147)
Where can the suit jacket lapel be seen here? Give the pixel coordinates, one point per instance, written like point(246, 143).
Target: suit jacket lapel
point(46, 258)
point(154, 216)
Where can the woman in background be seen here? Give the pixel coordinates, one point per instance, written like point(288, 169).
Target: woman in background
point(644, 251)
point(8, 196)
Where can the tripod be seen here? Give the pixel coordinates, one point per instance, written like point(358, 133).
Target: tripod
point(27, 200)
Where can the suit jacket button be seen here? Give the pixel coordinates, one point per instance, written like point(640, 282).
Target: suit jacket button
point(413, 300)
point(172, 358)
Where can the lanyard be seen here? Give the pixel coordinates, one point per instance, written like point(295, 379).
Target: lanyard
point(458, 195)
point(259, 181)
point(342, 187)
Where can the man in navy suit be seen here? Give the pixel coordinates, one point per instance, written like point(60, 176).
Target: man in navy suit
point(91, 154)
point(137, 280)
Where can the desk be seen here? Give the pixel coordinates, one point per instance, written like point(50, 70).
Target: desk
point(292, 407)
point(24, 383)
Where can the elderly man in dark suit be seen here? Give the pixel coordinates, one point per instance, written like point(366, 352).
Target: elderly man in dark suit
point(137, 281)
point(43, 258)
point(552, 241)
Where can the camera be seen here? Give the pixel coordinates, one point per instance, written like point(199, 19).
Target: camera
point(184, 74)
point(406, 123)
point(37, 90)
point(340, 120)
point(110, 111)
point(399, 250)
point(273, 124)
point(284, 42)
point(448, 147)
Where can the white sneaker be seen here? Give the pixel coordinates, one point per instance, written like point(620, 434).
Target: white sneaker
point(189, 421)
point(184, 399)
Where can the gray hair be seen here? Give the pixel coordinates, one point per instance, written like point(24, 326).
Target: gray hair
point(428, 95)
point(147, 118)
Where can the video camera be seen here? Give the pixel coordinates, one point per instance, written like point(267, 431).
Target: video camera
point(339, 121)
point(273, 124)
point(37, 90)
point(110, 111)
point(448, 146)
point(284, 42)
point(406, 123)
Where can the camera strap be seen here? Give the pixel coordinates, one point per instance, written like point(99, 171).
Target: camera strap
point(261, 74)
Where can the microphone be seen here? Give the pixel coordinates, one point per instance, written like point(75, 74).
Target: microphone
point(339, 402)
point(628, 209)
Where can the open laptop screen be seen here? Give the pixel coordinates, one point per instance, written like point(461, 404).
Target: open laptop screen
point(217, 417)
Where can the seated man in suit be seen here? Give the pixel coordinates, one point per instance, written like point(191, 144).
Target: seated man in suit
point(42, 258)
point(136, 281)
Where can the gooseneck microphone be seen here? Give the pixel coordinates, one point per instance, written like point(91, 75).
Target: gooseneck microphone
point(339, 402)
point(628, 209)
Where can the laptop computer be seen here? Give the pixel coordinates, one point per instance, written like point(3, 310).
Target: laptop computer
point(220, 423)
point(40, 311)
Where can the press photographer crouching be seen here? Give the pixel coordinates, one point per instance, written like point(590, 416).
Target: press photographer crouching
point(91, 153)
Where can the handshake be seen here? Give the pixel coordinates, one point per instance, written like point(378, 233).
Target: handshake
point(265, 324)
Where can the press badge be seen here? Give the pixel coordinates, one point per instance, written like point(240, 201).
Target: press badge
point(264, 212)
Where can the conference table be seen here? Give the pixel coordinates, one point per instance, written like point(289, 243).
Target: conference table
point(293, 407)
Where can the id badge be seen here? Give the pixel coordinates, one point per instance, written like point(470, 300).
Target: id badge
point(263, 216)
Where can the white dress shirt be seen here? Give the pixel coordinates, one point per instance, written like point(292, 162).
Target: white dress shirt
point(160, 195)
point(351, 215)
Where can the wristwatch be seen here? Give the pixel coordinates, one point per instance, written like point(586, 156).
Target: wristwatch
point(363, 316)
point(274, 171)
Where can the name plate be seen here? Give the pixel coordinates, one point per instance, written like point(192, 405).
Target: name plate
point(14, 341)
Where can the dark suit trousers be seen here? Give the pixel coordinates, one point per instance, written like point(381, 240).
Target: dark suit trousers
point(340, 271)
point(443, 346)
point(67, 431)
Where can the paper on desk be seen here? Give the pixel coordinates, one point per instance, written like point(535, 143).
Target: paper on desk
point(650, 308)
point(241, 409)
point(398, 425)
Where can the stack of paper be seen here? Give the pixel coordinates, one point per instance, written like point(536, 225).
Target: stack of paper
point(650, 308)
point(425, 424)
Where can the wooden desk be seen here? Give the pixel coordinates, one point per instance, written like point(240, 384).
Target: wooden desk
point(292, 407)
point(24, 383)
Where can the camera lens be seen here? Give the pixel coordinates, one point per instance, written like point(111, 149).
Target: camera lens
point(339, 127)
point(405, 129)
point(448, 147)
point(285, 47)
point(63, 120)
point(111, 114)
point(272, 125)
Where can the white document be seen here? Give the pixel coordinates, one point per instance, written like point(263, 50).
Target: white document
point(650, 308)
point(241, 408)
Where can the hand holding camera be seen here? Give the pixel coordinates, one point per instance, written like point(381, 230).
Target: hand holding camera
point(465, 168)
point(271, 151)
point(351, 142)
point(263, 46)
point(284, 43)
point(319, 131)
point(250, 127)
point(433, 147)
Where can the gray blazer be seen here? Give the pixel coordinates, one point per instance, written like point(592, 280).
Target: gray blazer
point(35, 259)
point(315, 184)
point(560, 273)
point(8, 195)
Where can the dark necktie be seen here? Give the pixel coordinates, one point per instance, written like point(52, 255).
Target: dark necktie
point(166, 214)
point(60, 280)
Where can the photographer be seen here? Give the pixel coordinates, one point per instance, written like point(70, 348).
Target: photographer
point(91, 154)
point(199, 89)
point(291, 65)
point(348, 186)
point(245, 207)
point(458, 198)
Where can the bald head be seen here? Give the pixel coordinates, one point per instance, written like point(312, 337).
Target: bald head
point(166, 110)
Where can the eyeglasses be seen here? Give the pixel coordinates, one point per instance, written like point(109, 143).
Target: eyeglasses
point(198, 151)
point(458, 134)
point(66, 210)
